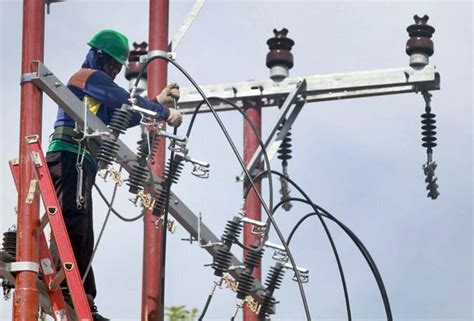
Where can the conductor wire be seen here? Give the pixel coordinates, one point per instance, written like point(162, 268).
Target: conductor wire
point(249, 177)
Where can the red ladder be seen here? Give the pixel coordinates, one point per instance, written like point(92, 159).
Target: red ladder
point(54, 217)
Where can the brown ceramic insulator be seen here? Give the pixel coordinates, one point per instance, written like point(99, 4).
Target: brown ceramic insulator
point(134, 65)
point(280, 47)
point(420, 34)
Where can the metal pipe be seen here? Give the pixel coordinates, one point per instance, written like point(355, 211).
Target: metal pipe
point(26, 297)
point(252, 205)
point(153, 257)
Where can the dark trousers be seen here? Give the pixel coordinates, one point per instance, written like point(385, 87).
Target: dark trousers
point(79, 224)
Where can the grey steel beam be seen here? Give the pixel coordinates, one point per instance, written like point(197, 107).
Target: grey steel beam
point(61, 95)
point(318, 87)
point(273, 142)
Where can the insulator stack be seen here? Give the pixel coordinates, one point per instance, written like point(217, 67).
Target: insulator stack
point(280, 58)
point(273, 282)
point(284, 152)
point(420, 46)
point(246, 279)
point(223, 258)
point(172, 174)
point(139, 171)
point(428, 132)
point(9, 242)
point(109, 148)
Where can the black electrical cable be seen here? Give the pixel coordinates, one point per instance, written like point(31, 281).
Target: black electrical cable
point(241, 162)
point(295, 228)
point(206, 306)
point(358, 243)
point(333, 246)
point(123, 218)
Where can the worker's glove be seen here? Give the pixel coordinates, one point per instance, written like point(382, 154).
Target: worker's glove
point(175, 119)
point(168, 95)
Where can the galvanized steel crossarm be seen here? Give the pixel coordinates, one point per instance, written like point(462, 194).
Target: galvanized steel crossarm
point(318, 88)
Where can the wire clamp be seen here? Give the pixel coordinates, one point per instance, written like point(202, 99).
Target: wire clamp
point(280, 254)
point(303, 272)
point(156, 54)
point(22, 266)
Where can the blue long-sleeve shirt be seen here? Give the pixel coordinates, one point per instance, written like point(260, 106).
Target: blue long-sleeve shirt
point(106, 97)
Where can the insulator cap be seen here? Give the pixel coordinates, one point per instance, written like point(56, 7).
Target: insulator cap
point(279, 59)
point(420, 47)
point(134, 65)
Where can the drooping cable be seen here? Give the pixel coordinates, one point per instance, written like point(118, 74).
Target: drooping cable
point(247, 174)
point(86, 272)
point(331, 241)
point(353, 237)
point(109, 205)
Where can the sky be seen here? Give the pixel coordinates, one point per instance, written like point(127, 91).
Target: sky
point(360, 158)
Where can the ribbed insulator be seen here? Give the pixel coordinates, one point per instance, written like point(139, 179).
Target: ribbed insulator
point(275, 276)
point(172, 174)
point(232, 232)
point(284, 152)
point(139, 172)
point(9, 242)
point(245, 284)
point(222, 261)
point(137, 178)
point(107, 153)
point(273, 282)
point(266, 308)
point(174, 169)
point(120, 120)
point(428, 130)
point(253, 258)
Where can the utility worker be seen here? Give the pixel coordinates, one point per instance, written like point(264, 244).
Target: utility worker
point(95, 80)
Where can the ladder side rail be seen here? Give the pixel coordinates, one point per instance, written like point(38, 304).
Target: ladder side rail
point(58, 228)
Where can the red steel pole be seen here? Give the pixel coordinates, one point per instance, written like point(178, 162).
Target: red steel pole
point(26, 297)
point(153, 259)
point(253, 207)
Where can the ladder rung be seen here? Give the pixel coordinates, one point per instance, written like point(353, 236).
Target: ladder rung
point(44, 221)
point(58, 279)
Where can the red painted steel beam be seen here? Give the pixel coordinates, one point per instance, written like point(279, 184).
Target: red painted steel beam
point(153, 259)
point(26, 297)
point(253, 207)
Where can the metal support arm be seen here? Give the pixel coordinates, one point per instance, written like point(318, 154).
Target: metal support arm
point(318, 87)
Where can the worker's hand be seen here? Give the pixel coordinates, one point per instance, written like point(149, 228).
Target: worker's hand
point(168, 95)
point(175, 119)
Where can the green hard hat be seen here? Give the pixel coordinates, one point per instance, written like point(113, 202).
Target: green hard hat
point(112, 43)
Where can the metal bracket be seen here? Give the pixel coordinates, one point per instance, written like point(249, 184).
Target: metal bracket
point(49, 2)
point(157, 53)
point(192, 14)
point(22, 266)
point(31, 192)
point(28, 77)
point(273, 142)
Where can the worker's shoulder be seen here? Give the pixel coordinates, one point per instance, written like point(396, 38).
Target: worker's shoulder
point(80, 78)
point(89, 76)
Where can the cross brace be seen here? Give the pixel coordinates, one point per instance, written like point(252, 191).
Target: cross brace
point(318, 87)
